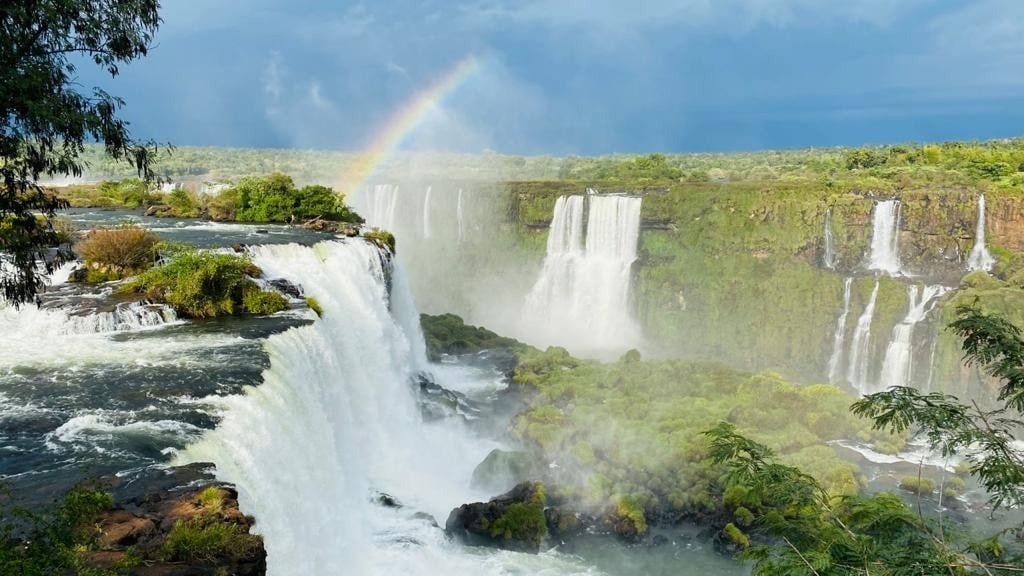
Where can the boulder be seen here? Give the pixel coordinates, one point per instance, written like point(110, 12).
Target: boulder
point(513, 521)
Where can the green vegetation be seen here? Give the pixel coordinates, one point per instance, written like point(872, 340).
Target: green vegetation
point(116, 253)
point(627, 435)
point(449, 334)
point(49, 116)
point(315, 306)
point(129, 193)
point(275, 198)
point(206, 538)
point(813, 532)
point(56, 541)
point(382, 238)
point(202, 284)
point(523, 521)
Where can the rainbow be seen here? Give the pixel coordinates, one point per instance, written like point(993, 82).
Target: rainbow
point(404, 122)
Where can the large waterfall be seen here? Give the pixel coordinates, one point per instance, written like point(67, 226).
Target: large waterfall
point(885, 222)
point(379, 206)
point(897, 366)
point(839, 337)
point(335, 420)
point(458, 217)
point(859, 362)
point(980, 258)
point(581, 299)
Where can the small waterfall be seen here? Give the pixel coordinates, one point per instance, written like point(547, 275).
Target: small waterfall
point(377, 206)
point(860, 351)
point(897, 366)
point(335, 420)
point(829, 259)
point(127, 316)
point(838, 339)
point(885, 221)
point(458, 217)
point(581, 298)
point(980, 258)
point(426, 213)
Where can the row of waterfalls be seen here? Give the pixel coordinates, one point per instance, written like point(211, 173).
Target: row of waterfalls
point(852, 360)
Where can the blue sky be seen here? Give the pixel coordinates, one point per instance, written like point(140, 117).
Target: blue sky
point(583, 76)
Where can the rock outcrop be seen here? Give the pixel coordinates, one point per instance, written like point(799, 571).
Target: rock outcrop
point(513, 521)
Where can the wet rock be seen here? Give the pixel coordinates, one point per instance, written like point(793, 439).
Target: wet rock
point(387, 500)
point(158, 210)
point(437, 402)
point(286, 287)
point(238, 248)
point(513, 521)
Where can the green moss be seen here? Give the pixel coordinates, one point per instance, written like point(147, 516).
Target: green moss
point(736, 536)
point(523, 521)
point(208, 538)
point(630, 509)
point(449, 334)
point(382, 238)
point(743, 516)
point(915, 485)
point(315, 306)
point(263, 302)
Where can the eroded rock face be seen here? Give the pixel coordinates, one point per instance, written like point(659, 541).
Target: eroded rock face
point(192, 533)
point(513, 521)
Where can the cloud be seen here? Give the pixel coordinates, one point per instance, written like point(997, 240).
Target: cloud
point(271, 79)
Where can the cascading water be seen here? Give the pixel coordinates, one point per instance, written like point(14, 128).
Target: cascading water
point(426, 213)
point(335, 420)
point(581, 299)
point(860, 358)
point(980, 258)
point(839, 337)
point(378, 205)
point(829, 258)
point(884, 255)
point(458, 217)
point(897, 366)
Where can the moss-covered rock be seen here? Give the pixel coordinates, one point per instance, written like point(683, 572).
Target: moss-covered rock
point(514, 521)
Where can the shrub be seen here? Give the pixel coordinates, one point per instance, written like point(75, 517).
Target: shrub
point(915, 485)
point(275, 198)
point(315, 306)
point(382, 238)
point(118, 252)
point(204, 538)
point(262, 302)
point(199, 284)
point(736, 536)
point(182, 204)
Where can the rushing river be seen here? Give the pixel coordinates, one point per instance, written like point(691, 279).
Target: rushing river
point(308, 418)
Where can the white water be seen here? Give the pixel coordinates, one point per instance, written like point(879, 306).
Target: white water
point(860, 347)
point(426, 213)
point(898, 364)
point(458, 217)
point(581, 298)
point(336, 419)
point(377, 206)
point(839, 337)
point(980, 258)
point(885, 220)
point(829, 259)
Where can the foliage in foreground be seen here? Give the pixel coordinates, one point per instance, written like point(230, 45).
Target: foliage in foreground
point(813, 533)
point(47, 117)
point(199, 284)
point(53, 542)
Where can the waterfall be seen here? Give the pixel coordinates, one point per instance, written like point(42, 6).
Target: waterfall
point(581, 299)
point(335, 420)
point(426, 213)
point(980, 258)
point(860, 352)
point(829, 259)
point(840, 334)
point(885, 221)
point(458, 216)
point(379, 208)
point(897, 366)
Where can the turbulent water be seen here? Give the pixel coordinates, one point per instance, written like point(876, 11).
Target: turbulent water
point(885, 255)
point(582, 294)
point(839, 337)
point(980, 258)
point(897, 366)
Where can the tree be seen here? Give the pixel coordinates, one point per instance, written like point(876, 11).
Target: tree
point(46, 119)
point(814, 533)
